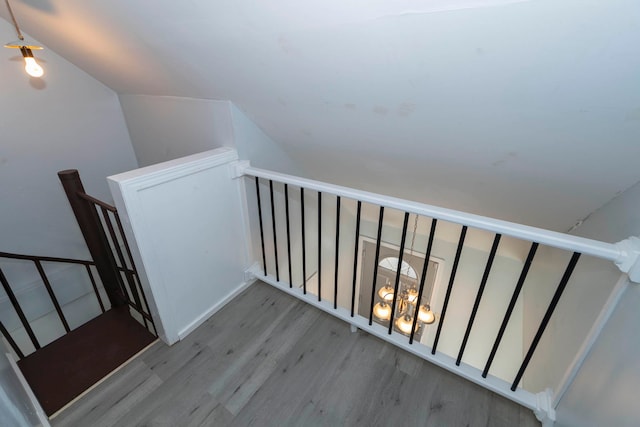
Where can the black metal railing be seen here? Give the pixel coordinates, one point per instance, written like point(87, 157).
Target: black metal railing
point(38, 265)
point(107, 244)
point(341, 262)
point(129, 286)
point(113, 262)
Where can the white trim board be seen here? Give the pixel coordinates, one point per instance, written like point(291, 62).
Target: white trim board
point(184, 223)
point(610, 251)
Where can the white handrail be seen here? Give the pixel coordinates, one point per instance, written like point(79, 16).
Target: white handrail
point(609, 251)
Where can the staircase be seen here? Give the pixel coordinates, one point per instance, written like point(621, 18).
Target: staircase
point(65, 352)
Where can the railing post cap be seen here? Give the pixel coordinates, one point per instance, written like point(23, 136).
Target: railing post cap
point(544, 411)
point(237, 169)
point(68, 174)
point(629, 261)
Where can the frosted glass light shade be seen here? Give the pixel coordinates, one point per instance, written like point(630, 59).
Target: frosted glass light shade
point(386, 293)
point(404, 323)
point(382, 311)
point(425, 315)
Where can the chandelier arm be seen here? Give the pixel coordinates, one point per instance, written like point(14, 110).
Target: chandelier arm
point(413, 236)
point(13, 18)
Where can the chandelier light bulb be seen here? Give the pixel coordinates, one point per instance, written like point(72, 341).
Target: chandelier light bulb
point(32, 67)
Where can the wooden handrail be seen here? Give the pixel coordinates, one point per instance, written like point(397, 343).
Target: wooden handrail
point(95, 201)
point(44, 258)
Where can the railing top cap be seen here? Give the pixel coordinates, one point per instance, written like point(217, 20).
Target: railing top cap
point(68, 174)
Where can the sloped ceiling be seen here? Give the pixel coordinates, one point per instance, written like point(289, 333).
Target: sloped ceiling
point(523, 110)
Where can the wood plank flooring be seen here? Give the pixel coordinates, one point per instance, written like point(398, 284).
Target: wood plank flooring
point(267, 359)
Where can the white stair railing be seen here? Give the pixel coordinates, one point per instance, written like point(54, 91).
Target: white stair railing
point(299, 223)
point(494, 287)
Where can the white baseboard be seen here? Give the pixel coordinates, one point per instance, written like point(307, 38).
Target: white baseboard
point(213, 309)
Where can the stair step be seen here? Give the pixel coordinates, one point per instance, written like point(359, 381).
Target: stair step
point(65, 368)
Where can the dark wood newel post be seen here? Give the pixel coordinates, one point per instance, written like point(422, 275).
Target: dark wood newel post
point(94, 235)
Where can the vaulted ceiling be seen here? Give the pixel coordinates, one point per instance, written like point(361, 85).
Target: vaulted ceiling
point(523, 110)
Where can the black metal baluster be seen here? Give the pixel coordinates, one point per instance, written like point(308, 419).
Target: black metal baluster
point(114, 241)
point(452, 278)
point(264, 257)
point(52, 296)
point(286, 208)
point(423, 277)
point(547, 317)
point(112, 259)
point(512, 304)
point(146, 314)
point(95, 287)
point(398, 270)
point(375, 265)
point(127, 273)
point(18, 309)
point(133, 265)
point(355, 259)
point(304, 253)
point(124, 241)
point(273, 222)
point(11, 341)
point(476, 304)
point(335, 279)
point(319, 246)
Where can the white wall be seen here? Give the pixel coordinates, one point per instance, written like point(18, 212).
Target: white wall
point(184, 221)
point(616, 220)
point(605, 390)
point(165, 127)
point(591, 284)
point(492, 110)
point(15, 407)
point(66, 120)
point(585, 294)
point(254, 145)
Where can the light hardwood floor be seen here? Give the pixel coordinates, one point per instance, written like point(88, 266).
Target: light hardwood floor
point(267, 359)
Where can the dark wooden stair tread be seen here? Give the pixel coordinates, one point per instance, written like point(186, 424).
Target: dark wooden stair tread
point(65, 368)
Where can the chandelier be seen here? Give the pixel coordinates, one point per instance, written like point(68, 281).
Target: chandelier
point(407, 304)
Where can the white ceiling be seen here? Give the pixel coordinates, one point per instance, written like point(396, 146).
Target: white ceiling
point(527, 111)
